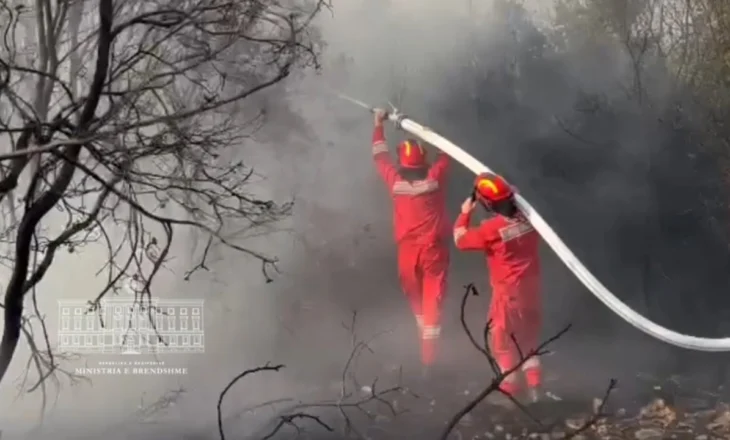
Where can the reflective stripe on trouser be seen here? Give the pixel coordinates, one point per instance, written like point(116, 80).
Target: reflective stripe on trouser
point(434, 263)
point(423, 274)
point(429, 340)
point(510, 383)
point(533, 372)
point(419, 321)
point(509, 318)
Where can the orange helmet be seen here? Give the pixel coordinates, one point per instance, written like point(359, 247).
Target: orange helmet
point(411, 154)
point(492, 188)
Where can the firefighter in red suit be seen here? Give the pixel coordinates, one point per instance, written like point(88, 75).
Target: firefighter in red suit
point(421, 229)
point(510, 245)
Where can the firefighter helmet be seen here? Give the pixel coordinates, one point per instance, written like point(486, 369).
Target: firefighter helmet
point(411, 154)
point(492, 188)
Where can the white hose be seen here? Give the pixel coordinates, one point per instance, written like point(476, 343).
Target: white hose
point(565, 254)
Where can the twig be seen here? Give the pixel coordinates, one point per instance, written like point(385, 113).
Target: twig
point(345, 402)
point(597, 414)
point(496, 382)
point(500, 375)
point(202, 262)
point(288, 420)
point(240, 376)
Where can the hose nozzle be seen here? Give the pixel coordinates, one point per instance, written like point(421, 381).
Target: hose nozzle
point(394, 116)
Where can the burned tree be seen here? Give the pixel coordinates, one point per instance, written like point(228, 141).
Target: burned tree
point(128, 117)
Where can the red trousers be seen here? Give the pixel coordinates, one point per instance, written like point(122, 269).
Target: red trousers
point(516, 312)
point(423, 271)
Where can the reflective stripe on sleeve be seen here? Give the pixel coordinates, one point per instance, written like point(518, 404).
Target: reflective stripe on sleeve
point(458, 233)
point(380, 147)
point(431, 332)
point(416, 188)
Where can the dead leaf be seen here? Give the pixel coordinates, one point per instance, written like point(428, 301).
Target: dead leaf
point(648, 434)
point(658, 412)
point(721, 422)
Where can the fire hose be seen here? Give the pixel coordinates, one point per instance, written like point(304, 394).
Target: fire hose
point(556, 243)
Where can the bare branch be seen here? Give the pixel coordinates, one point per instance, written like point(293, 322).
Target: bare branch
point(348, 400)
point(230, 385)
point(598, 413)
point(15, 293)
point(142, 141)
point(500, 375)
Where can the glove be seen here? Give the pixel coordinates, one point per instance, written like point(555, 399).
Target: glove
point(379, 115)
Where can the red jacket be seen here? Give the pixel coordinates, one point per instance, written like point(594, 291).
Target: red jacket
point(511, 248)
point(419, 207)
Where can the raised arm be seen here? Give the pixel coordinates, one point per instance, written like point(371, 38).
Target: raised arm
point(465, 237)
point(381, 155)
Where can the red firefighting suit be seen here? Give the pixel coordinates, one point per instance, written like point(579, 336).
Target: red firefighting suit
point(511, 248)
point(421, 230)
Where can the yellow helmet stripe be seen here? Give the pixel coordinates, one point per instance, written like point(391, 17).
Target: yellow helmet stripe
point(486, 183)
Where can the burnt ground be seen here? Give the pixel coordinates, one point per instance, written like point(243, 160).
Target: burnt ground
point(661, 393)
point(673, 407)
point(664, 411)
point(656, 397)
point(669, 408)
point(650, 402)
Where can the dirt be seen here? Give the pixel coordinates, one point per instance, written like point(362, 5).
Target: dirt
point(655, 421)
point(692, 414)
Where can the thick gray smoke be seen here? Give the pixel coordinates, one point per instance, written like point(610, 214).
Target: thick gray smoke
point(605, 151)
point(629, 192)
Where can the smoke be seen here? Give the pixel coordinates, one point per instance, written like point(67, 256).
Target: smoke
point(633, 197)
point(595, 142)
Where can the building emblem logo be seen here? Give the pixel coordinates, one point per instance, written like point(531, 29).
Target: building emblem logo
point(126, 324)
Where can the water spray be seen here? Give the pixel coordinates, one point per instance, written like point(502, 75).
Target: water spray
point(556, 244)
